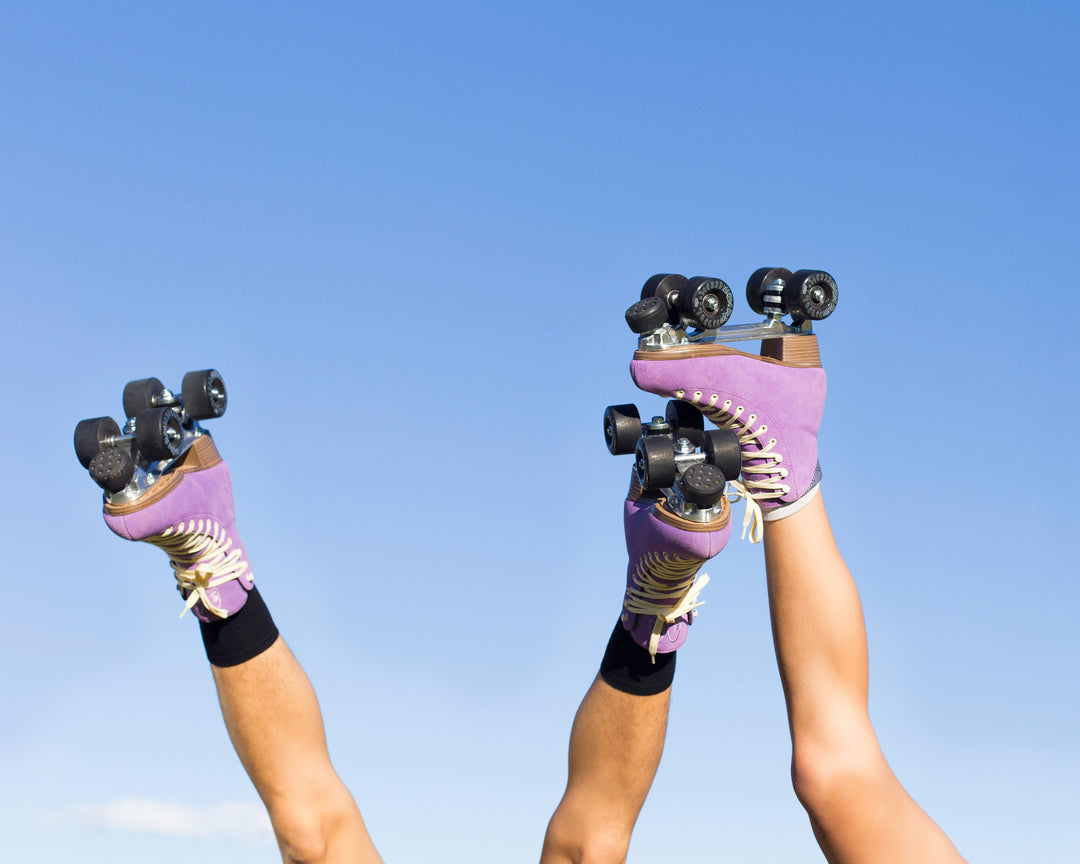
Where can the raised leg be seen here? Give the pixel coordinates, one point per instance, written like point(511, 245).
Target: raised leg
point(858, 810)
point(615, 748)
point(618, 733)
point(269, 706)
point(274, 723)
point(857, 807)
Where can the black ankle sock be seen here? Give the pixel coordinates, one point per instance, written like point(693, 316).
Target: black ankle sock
point(246, 634)
point(627, 666)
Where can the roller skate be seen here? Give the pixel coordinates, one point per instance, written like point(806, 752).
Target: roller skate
point(165, 483)
point(772, 400)
point(676, 516)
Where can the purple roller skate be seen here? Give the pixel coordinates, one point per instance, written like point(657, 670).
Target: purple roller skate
point(774, 404)
point(665, 552)
point(188, 512)
point(773, 400)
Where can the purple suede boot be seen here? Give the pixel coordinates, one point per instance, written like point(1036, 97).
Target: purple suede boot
point(662, 583)
point(189, 513)
point(774, 404)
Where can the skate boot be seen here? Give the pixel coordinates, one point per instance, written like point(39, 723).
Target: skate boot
point(676, 516)
point(165, 483)
point(773, 400)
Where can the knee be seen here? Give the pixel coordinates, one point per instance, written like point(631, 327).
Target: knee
point(833, 779)
point(306, 828)
point(576, 839)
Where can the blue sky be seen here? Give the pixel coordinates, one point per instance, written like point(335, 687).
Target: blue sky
point(406, 236)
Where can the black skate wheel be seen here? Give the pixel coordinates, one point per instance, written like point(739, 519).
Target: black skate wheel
point(204, 394)
point(91, 436)
point(666, 286)
point(722, 449)
point(622, 428)
point(112, 469)
point(703, 485)
point(655, 462)
point(141, 395)
point(158, 434)
point(705, 303)
point(647, 315)
point(685, 421)
point(760, 280)
point(811, 294)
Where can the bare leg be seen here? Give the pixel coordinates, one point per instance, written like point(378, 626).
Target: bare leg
point(774, 403)
point(269, 706)
point(618, 733)
point(275, 725)
point(615, 748)
point(857, 807)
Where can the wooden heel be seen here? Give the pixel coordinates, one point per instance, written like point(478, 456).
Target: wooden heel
point(793, 350)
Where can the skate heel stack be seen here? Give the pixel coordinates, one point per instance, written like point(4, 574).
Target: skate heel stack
point(202, 454)
point(690, 315)
point(160, 441)
point(793, 350)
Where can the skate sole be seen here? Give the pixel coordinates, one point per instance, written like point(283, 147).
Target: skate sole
point(675, 521)
point(198, 457)
point(795, 351)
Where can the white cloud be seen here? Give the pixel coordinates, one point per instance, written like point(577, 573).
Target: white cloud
point(238, 820)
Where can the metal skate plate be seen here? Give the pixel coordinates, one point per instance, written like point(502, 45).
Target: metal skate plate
point(668, 336)
point(148, 473)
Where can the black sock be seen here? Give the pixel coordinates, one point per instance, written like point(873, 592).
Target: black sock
point(246, 634)
point(628, 667)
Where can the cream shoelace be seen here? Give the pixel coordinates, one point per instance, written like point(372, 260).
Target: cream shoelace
point(752, 491)
point(201, 555)
point(659, 580)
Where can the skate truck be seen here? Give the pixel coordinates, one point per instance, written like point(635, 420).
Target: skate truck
point(161, 426)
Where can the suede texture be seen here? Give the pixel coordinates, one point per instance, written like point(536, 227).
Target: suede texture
point(200, 495)
point(646, 533)
point(788, 400)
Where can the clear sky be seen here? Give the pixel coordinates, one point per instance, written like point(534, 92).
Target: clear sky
point(406, 235)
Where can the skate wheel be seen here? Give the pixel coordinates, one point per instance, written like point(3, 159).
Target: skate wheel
point(703, 485)
point(91, 437)
point(705, 303)
point(685, 421)
point(666, 286)
point(760, 280)
point(112, 469)
point(141, 395)
point(655, 462)
point(722, 449)
point(204, 394)
point(811, 294)
point(647, 315)
point(622, 428)
point(158, 434)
